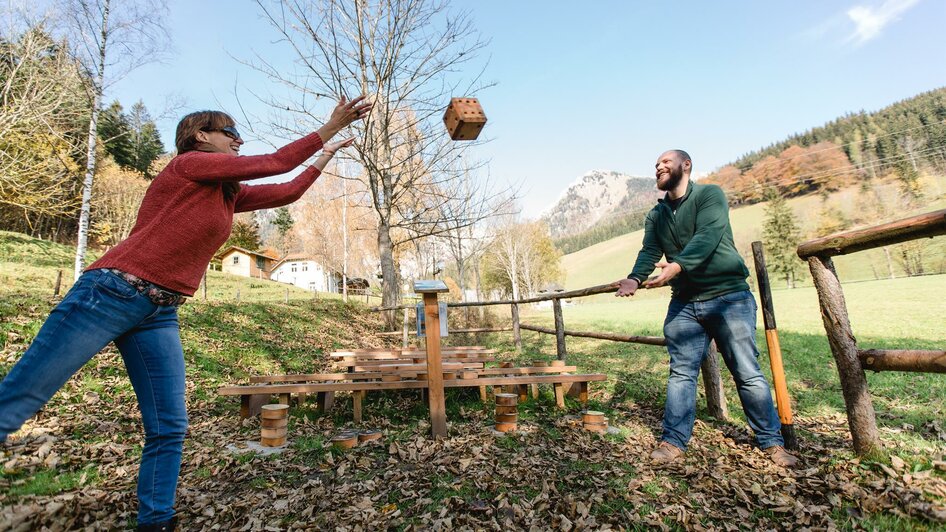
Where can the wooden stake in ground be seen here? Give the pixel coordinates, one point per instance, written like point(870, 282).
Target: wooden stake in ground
point(775, 350)
point(435, 395)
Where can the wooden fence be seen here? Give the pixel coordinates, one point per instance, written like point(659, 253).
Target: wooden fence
point(851, 360)
point(715, 396)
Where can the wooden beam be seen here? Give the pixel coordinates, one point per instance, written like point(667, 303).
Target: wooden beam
point(649, 340)
point(583, 292)
point(903, 360)
point(436, 398)
point(713, 385)
point(559, 329)
point(923, 226)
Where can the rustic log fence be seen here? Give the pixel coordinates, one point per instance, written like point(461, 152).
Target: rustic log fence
point(851, 360)
point(715, 396)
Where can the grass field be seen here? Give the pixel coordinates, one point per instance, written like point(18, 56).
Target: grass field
point(74, 465)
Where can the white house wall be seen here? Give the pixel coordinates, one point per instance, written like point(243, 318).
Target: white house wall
point(313, 278)
point(242, 267)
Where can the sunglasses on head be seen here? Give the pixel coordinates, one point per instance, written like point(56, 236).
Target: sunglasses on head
point(229, 131)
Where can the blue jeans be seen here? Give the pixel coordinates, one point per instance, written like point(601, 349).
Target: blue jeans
point(100, 308)
point(730, 319)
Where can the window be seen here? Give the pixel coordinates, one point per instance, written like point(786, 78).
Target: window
point(236, 259)
point(305, 266)
point(292, 267)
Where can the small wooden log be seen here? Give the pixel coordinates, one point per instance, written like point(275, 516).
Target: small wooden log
point(280, 411)
point(500, 409)
point(369, 435)
point(390, 378)
point(713, 385)
point(556, 363)
point(923, 226)
point(345, 440)
point(483, 395)
point(505, 427)
point(507, 418)
point(592, 416)
point(903, 360)
point(599, 428)
point(273, 442)
point(274, 423)
point(507, 399)
point(273, 433)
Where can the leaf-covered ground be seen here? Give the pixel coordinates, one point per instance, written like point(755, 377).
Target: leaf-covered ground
point(74, 466)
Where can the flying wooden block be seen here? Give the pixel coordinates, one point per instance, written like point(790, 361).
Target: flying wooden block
point(464, 118)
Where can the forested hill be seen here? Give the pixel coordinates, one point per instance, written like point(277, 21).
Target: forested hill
point(904, 140)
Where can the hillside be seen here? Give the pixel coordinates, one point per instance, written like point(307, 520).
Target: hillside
point(612, 259)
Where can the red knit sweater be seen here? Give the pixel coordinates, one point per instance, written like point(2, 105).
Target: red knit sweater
point(184, 219)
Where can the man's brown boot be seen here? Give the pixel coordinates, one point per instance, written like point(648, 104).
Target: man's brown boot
point(666, 453)
point(778, 455)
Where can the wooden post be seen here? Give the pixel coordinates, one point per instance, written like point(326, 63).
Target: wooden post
point(205, 285)
point(325, 401)
point(356, 398)
point(435, 395)
point(713, 385)
point(287, 295)
point(559, 328)
point(782, 399)
point(238, 295)
point(516, 333)
point(559, 389)
point(860, 411)
point(404, 330)
point(58, 283)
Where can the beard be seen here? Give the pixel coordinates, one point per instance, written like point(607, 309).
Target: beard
point(676, 175)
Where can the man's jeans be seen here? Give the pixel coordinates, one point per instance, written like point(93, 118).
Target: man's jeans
point(730, 319)
point(100, 308)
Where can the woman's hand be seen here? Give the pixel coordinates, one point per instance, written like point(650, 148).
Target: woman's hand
point(347, 112)
point(331, 148)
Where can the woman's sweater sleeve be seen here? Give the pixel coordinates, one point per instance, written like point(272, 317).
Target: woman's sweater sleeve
point(216, 167)
point(251, 198)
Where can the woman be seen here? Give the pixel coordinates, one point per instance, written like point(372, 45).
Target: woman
point(130, 295)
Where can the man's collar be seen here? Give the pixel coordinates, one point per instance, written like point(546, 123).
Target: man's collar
point(685, 195)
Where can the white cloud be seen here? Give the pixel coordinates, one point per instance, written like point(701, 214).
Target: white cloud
point(871, 20)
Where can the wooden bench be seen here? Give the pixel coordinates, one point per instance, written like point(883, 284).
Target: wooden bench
point(255, 395)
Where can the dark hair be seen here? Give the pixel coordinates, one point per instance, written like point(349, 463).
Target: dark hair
point(684, 156)
point(186, 137)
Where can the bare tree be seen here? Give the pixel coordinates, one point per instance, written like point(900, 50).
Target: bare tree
point(112, 41)
point(404, 55)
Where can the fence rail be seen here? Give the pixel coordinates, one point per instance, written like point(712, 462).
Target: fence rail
point(850, 360)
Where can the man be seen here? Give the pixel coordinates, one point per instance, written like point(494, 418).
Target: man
point(710, 301)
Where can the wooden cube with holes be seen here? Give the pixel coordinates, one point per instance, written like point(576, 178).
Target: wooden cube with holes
point(464, 118)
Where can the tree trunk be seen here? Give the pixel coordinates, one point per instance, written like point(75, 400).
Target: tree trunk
point(389, 275)
point(97, 87)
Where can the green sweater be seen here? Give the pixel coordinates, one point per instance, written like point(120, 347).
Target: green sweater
point(698, 237)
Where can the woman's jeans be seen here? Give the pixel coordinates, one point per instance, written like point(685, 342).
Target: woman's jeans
point(100, 308)
point(730, 319)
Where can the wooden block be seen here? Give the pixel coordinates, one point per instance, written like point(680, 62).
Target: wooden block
point(600, 428)
point(369, 435)
point(507, 399)
point(557, 363)
point(273, 433)
point(390, 378)
point(539, 364)
point(506, 409)
point(273, 442)
point(464, 118)
point(274, 423)
point(505, 364)
point(357, 397)
point(535, 390)
point(280, 411)
point(483, 396)
point(252, 405)
point(284, 399)
point(467, 375)
point(449, 375)
point(409, 376)
point(505, 427)
point(325, 400)
point(507, 418)
point(592, 416)
point(559, 394)
point(345, 440)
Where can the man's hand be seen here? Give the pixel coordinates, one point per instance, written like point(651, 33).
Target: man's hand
point(667, 272)
point(627, 287)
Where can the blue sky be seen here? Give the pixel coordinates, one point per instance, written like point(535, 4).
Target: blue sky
point(610, 85)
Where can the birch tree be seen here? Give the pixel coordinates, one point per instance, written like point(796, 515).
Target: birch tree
point(404, 55)
point(110, 39)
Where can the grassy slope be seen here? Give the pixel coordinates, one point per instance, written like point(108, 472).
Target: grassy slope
point(613, 259)
point(99, 433)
